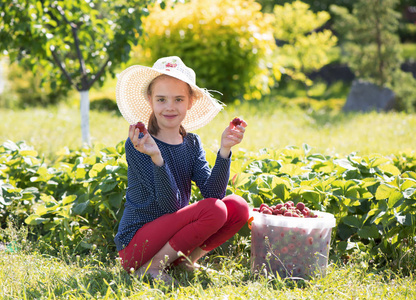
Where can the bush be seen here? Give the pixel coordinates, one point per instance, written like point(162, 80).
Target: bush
point(303, 49)
point(407, 32)
point(228, 44)
point(404, 86)
point(26, 89)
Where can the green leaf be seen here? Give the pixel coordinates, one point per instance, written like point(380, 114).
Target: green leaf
point(344, 163)
point(28, 153)
point(311, 196)
point(69, 199)
point(352, 193)
point(41, 210)
point(367, 182)
point(407, 184)
point(3, 201)
point(96, 169)
point(384, 191)
point(291, 169)
point(79, 208)
point(352, 221)
point(394, 197)
point(409, 174)
point(306, 148)
point(410, 220)
point(408, 193)
point(280, 191)
point(368, 232)
point(256, 200)
point(324, 167)
point(390, 169)
point(86, 245)
point(106, 187)
point(116, 199)
point(240, 179)
point(35, 220)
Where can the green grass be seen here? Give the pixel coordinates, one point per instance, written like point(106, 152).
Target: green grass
point(409, 51)
point(28, 274)
point(50, 130)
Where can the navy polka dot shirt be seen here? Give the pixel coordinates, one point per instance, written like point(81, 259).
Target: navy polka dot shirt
point(154, 191)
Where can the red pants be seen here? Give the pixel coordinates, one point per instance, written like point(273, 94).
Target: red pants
point(206, 224)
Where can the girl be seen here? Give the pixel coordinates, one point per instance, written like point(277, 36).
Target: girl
point(158, 223)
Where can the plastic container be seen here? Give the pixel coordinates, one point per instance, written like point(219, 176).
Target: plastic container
point(292, 247)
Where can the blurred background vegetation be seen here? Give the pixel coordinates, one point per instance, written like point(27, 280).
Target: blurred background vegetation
point(247, 50)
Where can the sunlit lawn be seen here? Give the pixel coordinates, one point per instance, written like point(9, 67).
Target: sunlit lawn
point(51, 129)
point(27, 274)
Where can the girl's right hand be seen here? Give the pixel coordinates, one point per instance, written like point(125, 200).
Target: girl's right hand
point(145, 145)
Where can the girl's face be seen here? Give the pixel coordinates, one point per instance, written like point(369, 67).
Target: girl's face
point(170, 100)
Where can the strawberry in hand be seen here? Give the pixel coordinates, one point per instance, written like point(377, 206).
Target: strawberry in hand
point(236, 121)
point(232, 136)
point(141, 127)
point(145, 144)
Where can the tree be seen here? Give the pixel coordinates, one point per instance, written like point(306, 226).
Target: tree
point(371, 45)
point(304, 48)
point(76, 42)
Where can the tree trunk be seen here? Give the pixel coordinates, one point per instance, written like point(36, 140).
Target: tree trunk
point(85, 117)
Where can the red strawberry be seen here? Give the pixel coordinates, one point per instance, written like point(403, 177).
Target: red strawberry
point(310, 240)
point(141, 127)
point(287, 214)
point(236, 121)
point(300, 206)
point(263, 205)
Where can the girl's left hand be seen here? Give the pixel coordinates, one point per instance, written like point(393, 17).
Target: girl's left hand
point(232, 136)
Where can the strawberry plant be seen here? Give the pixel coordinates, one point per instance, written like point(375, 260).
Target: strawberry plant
point(77, 200)
point(76, 203)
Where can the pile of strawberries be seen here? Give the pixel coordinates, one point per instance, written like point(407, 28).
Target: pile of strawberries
point(287, 209)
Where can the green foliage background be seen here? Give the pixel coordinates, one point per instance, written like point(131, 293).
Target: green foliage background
point(229, 44)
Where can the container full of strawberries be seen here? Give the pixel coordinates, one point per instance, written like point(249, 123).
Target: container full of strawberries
point(290, 240)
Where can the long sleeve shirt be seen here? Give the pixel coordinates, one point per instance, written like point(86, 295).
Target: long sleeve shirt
point(157, 190)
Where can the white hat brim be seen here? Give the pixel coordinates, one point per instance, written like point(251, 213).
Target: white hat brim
point(132, 101)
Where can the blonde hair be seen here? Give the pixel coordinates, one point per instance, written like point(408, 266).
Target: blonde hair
point(152, 125)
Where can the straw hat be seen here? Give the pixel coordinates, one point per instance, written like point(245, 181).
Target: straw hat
point(132, 100)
